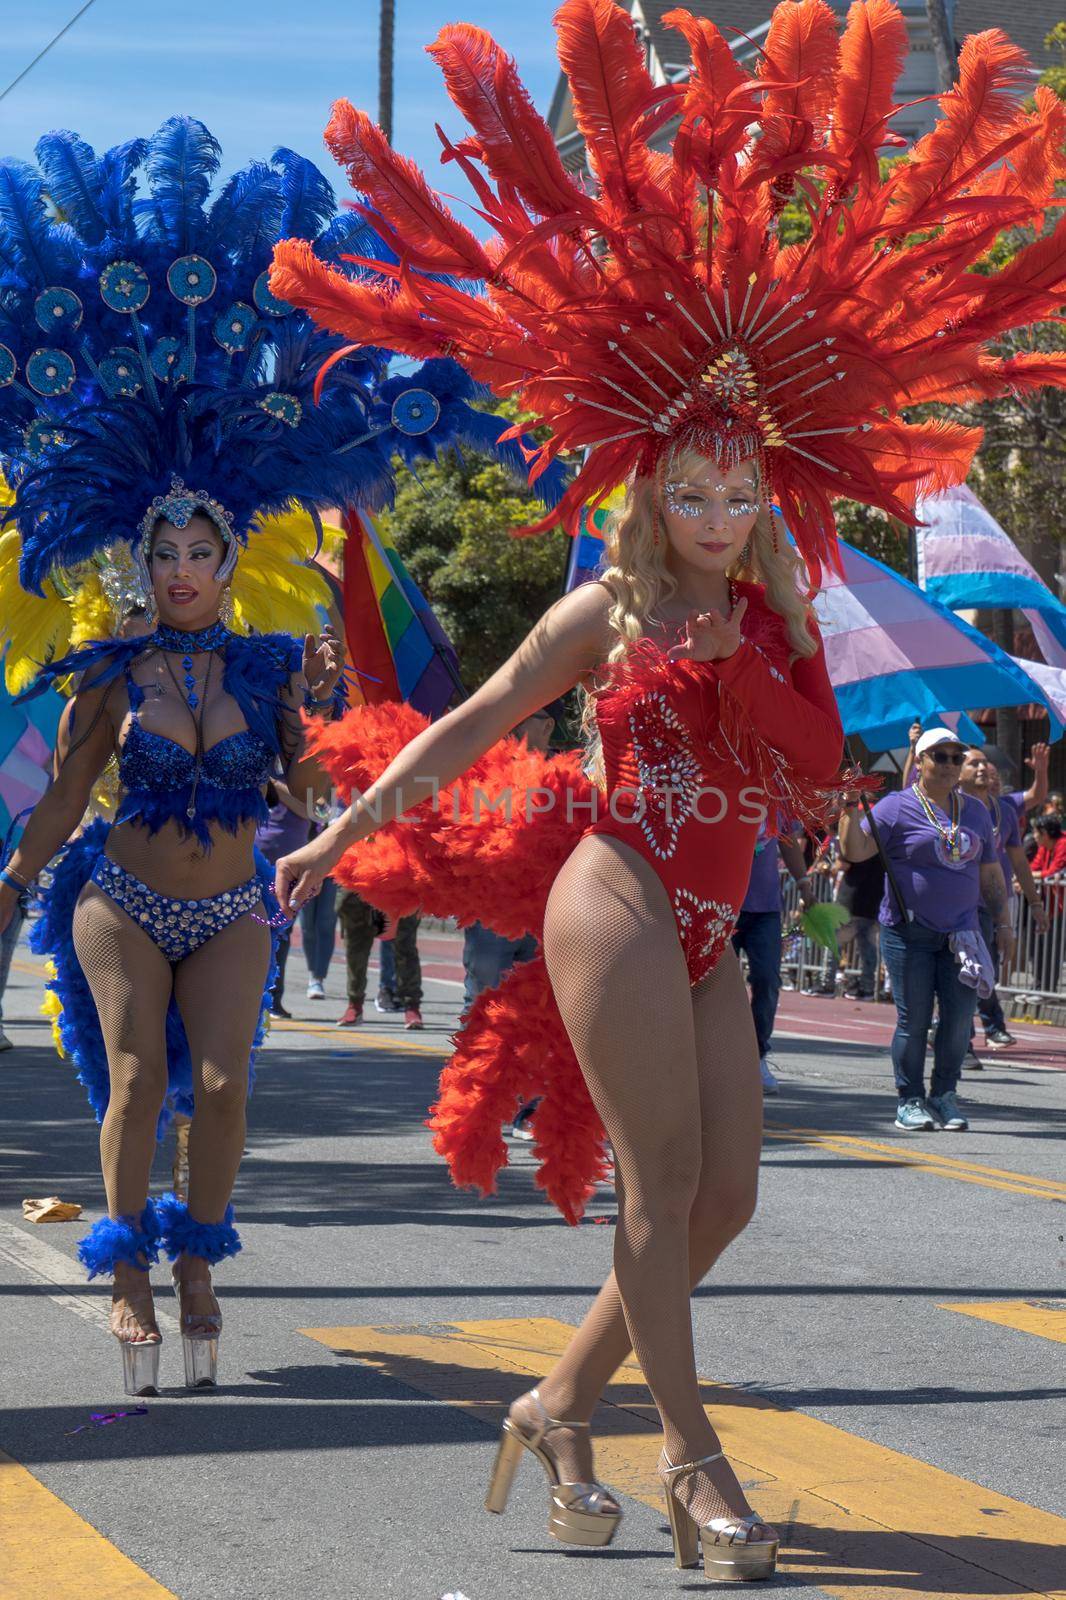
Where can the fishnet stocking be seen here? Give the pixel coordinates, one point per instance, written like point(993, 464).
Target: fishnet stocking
point(218, 989)
point(674, 1075)
point(130, 981)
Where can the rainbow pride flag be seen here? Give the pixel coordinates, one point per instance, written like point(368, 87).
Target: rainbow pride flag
point(395, 643)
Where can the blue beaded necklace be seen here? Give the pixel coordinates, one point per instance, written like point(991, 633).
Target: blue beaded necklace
point(186, 643)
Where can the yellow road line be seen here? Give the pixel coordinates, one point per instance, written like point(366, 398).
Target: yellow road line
point(922, 1161)
point(50, 1553)
point(1057, 1184)
point(358, 1036)
point(1028, 1316)
point(861, 1522)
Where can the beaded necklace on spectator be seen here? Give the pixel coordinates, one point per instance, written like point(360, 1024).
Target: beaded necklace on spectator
point(950, 834)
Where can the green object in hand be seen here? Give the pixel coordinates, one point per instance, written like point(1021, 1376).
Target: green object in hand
point(820, 923)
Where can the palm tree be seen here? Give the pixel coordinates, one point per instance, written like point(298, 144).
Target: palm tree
point(386, 43)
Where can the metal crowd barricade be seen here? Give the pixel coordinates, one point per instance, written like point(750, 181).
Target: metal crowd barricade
point(1036, 967)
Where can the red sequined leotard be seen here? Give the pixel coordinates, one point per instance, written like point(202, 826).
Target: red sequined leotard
point(725, 737)
point(697, 753)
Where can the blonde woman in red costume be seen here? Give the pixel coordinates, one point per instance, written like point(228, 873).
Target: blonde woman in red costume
point(660, 329)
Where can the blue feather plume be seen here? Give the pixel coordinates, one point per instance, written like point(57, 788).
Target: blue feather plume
point(212, 379)
point(42, 247)
point(308, 201)
point(73, 180)
point(118, 184)
point(181, 162)
point(246, 217)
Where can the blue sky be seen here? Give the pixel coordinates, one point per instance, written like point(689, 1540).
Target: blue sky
point(259, 72)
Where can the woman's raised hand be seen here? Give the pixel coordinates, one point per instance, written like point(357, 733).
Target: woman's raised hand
point(323, 663)
point(709, 636)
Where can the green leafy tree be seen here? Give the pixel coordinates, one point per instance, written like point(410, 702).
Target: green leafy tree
point(452, 526)
point(1055, 76)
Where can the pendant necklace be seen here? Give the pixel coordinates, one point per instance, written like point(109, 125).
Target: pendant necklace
point(196, 704)
point(950, 834)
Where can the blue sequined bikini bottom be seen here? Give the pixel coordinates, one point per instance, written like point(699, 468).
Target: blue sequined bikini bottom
point(178, 927)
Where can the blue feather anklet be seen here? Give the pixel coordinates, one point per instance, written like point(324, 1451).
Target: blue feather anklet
point(183, 1235)
point(134, 1240)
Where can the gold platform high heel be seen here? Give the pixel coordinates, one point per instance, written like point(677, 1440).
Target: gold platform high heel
point(730, 1554)
point(578, 1513)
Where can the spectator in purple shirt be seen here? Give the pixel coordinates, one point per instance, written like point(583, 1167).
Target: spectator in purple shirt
point(942, 862)
point(758, 934)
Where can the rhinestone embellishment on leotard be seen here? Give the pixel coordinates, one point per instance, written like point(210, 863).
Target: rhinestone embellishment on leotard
point(668, 773)
point(705, 927)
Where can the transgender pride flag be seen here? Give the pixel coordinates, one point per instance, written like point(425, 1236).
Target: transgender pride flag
point(896, 656)
point(965, 559)
point(27, 738)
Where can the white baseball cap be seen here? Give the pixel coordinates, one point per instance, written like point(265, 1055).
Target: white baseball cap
point(935, 736)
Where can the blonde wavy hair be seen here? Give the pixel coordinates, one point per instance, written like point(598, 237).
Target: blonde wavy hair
point(638, 580)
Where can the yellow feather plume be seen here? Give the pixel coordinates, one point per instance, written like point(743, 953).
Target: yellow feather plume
point(91, 614)
point(32, 631)
point(274, 590)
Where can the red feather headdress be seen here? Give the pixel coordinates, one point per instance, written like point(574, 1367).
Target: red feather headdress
point(664, 310)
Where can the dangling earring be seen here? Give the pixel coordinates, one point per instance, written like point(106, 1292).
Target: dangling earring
point(225, 610)
point(151, 610)
point(745, 555)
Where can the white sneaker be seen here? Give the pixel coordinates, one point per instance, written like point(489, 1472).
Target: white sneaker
point(5, 1042)
point(315, 990)
point(769, 1082)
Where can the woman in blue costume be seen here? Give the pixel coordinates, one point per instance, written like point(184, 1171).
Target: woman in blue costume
point(156, 402)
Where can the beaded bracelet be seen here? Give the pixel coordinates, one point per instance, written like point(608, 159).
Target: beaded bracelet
point(311, 704)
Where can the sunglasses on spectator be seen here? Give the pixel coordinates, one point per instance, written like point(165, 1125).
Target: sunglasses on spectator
point(956, 757)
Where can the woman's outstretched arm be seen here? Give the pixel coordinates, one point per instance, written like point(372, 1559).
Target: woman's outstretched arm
point(90, 738)
point(568, 641)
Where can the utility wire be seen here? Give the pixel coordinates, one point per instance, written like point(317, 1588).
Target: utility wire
point(42, 53)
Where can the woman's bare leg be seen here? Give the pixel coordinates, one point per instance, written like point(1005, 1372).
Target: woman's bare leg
point(130, 980)
point(731, 1128)
point(622, 987)
point(219, 990)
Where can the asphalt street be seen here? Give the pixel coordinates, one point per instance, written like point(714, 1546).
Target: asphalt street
point(883, 1348)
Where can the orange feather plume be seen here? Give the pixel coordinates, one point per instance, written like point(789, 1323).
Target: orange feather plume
point(993, 75)
point(660, 308)
point(800, 68)
point(872, 53)
point(512, 139)
point(432, 238)
point(611, 90)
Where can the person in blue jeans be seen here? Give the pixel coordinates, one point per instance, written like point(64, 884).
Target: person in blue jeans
point(758, 934)
point(318, 924)
point(942, 862)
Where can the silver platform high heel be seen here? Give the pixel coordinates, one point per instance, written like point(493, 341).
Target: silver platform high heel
point(140, 1357)
point(199, 1348)
point(578, 1513)
point(730, 1554)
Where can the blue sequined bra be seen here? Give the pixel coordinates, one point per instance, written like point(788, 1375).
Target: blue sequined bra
point(160, 783)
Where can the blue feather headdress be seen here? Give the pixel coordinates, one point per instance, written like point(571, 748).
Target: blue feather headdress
point(146, 369)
